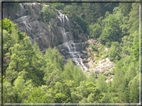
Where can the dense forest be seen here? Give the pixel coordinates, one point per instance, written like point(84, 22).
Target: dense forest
point(30, 76)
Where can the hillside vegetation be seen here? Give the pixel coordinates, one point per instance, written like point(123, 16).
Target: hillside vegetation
point(30, 76)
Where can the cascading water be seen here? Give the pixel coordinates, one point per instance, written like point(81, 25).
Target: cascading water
point(68, 41)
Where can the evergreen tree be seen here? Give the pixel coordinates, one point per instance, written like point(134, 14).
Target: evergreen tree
point(134, 89)
point(72, 72)
point(101, 84)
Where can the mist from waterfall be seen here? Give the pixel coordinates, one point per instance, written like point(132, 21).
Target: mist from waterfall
point(68, 41)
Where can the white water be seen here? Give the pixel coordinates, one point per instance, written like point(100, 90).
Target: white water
point(24, 20)
point(68, 42)
point(21, 6)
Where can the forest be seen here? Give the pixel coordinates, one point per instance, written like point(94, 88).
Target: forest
point(31, 76)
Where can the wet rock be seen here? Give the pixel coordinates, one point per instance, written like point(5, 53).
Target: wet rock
point(29, 19)
point(84, 52)
point(55, 32)
point(84, 56)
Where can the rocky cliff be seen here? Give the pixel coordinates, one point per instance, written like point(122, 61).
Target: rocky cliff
point(28, 17)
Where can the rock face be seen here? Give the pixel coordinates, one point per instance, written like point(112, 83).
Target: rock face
point(54, 32)
point(69, 48)
point(103, 66)
point(28, 17)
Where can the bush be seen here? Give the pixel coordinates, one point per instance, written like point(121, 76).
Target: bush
point(114, 53)
point(47, 13)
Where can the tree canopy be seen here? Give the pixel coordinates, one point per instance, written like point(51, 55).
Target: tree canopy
point(30, 76)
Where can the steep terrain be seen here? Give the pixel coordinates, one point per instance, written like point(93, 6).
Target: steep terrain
point(103, 41)
point(29, 18)
point(56, 32)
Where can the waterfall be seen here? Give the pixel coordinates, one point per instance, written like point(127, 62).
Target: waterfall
point(21, 6)
point(68, 41)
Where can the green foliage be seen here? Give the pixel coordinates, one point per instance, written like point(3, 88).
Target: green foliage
point(47, 13)
point(72, 72)
point(58, 6)
point(89, 92)
point(132, 70)
point(7, 25)
point(133, 18)
point(134, 89)
point(125, 8)
point(83, 14)
point(26, 91)
point(111, 31)
point(79, 23)
point(37, 95)
point(119, 84)
point(115, 52)
point(19, 84)
point(11, 35)
point(8, 92)
point(53, 55)
point(18, 61)
point(95, 30)
point(111, 28)
point(127, 42)
point(33, 77)
point(136, 47)
point(101, 84)
point(60, 98)
point(54, 66)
